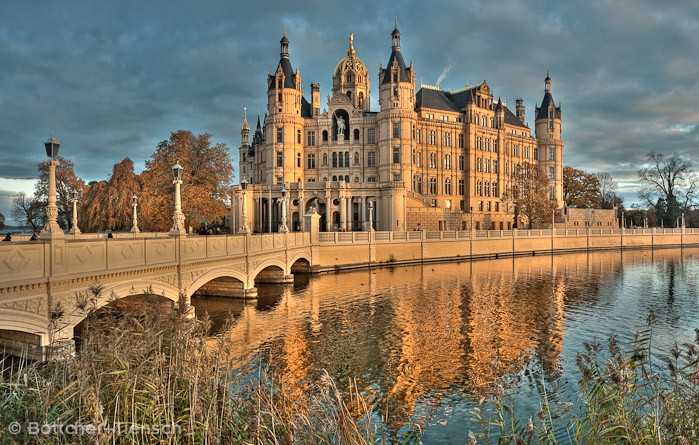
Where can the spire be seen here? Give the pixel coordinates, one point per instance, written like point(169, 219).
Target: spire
point(258, 121)
point(395, 37)
point(284, 45)
point(245, 127)
point(547, 82)
point(499, 106)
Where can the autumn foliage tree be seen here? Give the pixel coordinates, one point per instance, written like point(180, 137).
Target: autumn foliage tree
point(529, 193)
point(207, 176)
point(28, 210)
point(107, 204)
point(580, 189)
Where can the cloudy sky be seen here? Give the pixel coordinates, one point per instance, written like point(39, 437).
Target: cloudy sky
point(112, 79)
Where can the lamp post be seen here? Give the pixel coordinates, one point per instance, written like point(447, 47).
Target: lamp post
point(471, 219)
point(52, 229)
point(134, 202)
point(371, 216)
point(178, 228)
point(283, 227)
point(75, 230)
point(243, 211)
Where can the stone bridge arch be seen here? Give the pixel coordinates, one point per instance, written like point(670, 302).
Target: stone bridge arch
point(227, 281)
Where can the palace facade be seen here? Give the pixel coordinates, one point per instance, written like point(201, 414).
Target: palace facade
point(432, 160)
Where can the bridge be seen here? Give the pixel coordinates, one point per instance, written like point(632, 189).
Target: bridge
point(39, 279)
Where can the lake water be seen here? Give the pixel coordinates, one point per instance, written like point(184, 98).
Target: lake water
point(421, 337)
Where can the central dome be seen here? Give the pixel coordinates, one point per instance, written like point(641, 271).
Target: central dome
point(350, 63)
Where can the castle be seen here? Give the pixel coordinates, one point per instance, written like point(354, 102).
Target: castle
point(431, 160)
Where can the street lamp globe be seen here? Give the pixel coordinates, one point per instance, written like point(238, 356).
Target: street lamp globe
point(134, 200)
point(244, 184)
point(52, 146)
point(177, 172)
point(283, 193)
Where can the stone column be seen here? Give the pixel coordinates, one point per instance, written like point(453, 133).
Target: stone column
point(75, 230)
point(178, 227)
point(343, 213)
point(269, 211)
point(379, 215)
point(362, 209)
point(302, 212)
point(52, 229)
point(328, 212)
point(243, 213)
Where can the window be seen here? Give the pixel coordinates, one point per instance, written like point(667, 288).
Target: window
point(298, 136)
point(311, 161)
point(396, 177)
point(432, 137)
point(341, 160)
point(371, 136)
point(279, 98)
point(311, 179)
point(487, 165)
point(462, 205)
point(497, 209)
point(298, 159)
point(325, 135)
point(335, 160)
point(552, 193)
point(478, 144)
point(396, 129)
point(280, 135)
point(356, 134)
point(395, 77)
point(479, 188)
point(487, 206)
point(279, 179)
point(480, 209)
point(371, 159)
point(419, 159)
point(445, 118)
point(495, 146)
point(371, 179)
point(495, 166)
point(396, 155)
point(495, 191)
point(552, 154)
point(447, 139)
point(279, 83)
point(433, 186)
point(526, 152)
point(395, 91)
point(460, 162)
point(346, 178)
point(244, 157)
point(311, 138)
point(479, 166)
point(461, 141)
point(347, 164)
point(536, 153)
point(417, 134)
point(447, 186)
point(413, 131)
point(487, 188)
point(477, 119)
point(280, 159)
point(433, 160)
point(552, 172)
point(419, 184)
point(447, 162)
point(349, 78)
point(335, 178)
point(461, 187)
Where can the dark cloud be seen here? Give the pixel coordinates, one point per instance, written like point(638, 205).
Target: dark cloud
point(113, 79)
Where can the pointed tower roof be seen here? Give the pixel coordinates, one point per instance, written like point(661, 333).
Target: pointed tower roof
point(245, 126)
point(397, 57)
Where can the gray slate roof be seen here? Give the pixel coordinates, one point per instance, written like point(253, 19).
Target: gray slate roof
point(403, 72)
point(543, 110)
point(289, 81)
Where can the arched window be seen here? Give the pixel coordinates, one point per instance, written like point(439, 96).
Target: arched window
point(356, 134)
point(325, 135)
point(349, 94)
point(349, 78)
point(346, 178)
point(347, 164)
point(334, 160)
point(334, 178)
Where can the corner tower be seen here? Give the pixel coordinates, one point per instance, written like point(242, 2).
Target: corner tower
point(396, 82)
point(548, 135)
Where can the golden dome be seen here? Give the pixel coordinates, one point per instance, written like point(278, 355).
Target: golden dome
point(351, 62)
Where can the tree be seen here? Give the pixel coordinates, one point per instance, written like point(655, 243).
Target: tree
point(28, 211)
point(66, 183)
point(107, 205)
point(580, 189)
point(607, 191)
point(669, 185)
point(207, 176)
point(2, 221)
point(530, 195)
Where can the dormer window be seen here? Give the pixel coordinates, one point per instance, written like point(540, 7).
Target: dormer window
point(279, 83)
point(395, 77)
point(349, 78)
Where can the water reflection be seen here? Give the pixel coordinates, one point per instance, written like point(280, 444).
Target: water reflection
point(425, 337)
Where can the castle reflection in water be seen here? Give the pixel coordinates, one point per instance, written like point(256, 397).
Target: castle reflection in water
point(424, 336)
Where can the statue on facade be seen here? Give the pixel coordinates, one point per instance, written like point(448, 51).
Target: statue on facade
point(340, 126)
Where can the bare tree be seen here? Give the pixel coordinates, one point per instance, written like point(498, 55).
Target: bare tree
point(607, 193)
point(669, 182)
point(28, 211)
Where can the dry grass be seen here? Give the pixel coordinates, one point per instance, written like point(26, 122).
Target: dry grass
point(158, 369)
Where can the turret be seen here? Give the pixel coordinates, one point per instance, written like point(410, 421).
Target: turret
point(245, 128)
point(315, 98)
point(397, 83)
point(548, 135)
point(284, 86)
